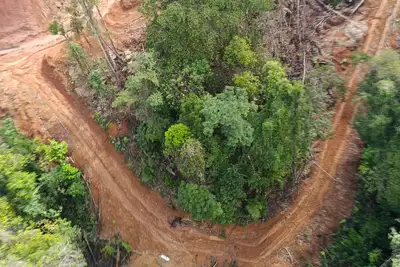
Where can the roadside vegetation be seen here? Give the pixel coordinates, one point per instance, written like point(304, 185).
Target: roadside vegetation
point(213, 119)
point(369, 237)
point(47, 217)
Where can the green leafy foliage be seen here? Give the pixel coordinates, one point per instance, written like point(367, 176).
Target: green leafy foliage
point(190, 113)
point(77, 55)
point(101, 120)
point(378, 127)
point(249, 82)
point(239, 53)
point(255, 208)
point(53, 244)
point(361, 239)
point(190, 161)
point(359, 57)
point(212, 112)
point(228, 111)
point(395, 246)
point(229, 188)
point(96, 82)
point(193, 77)
point(54, 152)
point(176, 137)
point(281, 132)
point(367, 239)
point(199, 202)
point(21, 187)
point(12, 138)
point(120, 143)
point(23, 202)
point(139, 86)
point(44, 205)
point(187, 31)
point(56, 28)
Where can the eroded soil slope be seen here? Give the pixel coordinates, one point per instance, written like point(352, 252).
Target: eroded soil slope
point(21, 20)
point(33, 93)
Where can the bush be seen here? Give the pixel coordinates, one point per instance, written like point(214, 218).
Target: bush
point(101, 120)
point(54, 152)
point(239, 52)
point(256, 209)
point(96, 82)
point(249, 82)
point(190, 161)
point(199, 202)
point(120, 143)
point(175, 137)
point(56, 28)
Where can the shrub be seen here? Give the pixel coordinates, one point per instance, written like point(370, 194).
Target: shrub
point(175, 138)
point(190, 161)
point(256, 209)
point(239, 52)
point(55, 28)
point(199, 202)
point(101, 120)
point(249, 82)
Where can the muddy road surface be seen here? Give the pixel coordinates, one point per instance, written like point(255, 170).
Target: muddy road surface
point(35, 96)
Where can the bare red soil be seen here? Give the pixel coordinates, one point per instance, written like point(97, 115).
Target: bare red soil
point(33, 92)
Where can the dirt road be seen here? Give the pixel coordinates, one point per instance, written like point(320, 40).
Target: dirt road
point(33, 94)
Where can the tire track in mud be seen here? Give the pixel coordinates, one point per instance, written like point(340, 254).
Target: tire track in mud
point(140, 214)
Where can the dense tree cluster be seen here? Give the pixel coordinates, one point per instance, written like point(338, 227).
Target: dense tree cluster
point(44, 205)
point(38, 188)
point(369, 238)
point(216, 119)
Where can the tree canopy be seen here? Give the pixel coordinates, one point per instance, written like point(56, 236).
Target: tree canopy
point(44, 206)
point(207, 108)
point(370, 238)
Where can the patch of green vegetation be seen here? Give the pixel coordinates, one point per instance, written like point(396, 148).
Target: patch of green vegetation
point(369, 237)
point(212, 110)
point(101, 120)
point(45, 206)
point(120, 143)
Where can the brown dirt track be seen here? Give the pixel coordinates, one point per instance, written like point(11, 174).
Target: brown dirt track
point(34, 94)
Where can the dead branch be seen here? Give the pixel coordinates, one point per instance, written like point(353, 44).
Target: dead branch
point(90, 192)
point(65, 129)
point(357, 7)
point(89, 247)
point(304, 66)
point(118, 255)
point(386, 262)
point(338, 13)
point(330, 176)
point(290, 255)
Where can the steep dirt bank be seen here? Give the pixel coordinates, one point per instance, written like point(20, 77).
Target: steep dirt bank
point(37, 100)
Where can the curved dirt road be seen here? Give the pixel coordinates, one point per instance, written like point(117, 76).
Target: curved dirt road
point(35, 97)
